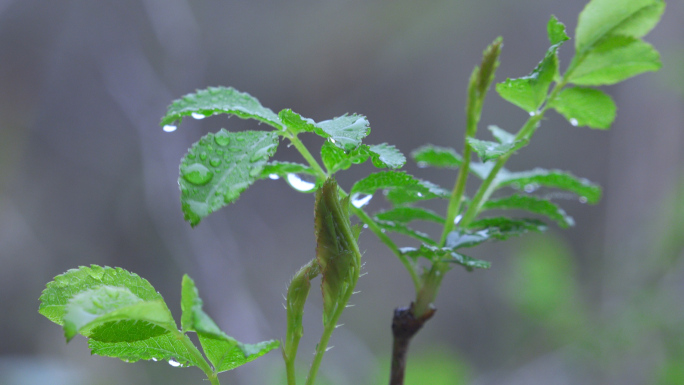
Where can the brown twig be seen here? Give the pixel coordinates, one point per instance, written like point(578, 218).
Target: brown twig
point(404, 326)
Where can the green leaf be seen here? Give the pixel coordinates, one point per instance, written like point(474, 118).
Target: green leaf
point(602, 18)
point(444, 254)
point(463, 238)
point(502, 228)
point(383, 180)
point(218, 168)
point(337, 252)
point(585, 107)
point(443, 157)
point(57, 293)
point(615, 59)
point(529, 92)
point(295, 122)
point(409, 214)
point(487, 150)
point(276, 169)
point(227, 354)
point(551, 178)
point(160, 348)
point(401, 228)
point(346, 132)
point(220, 100)
point(115, 314)
point(193, 317)
point(556, 31)
point(423, 190)
point(385, 155)
point(532, 204)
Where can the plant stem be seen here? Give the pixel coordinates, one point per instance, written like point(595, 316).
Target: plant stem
point(404, 326)
point(307, 155)
point(201, 361)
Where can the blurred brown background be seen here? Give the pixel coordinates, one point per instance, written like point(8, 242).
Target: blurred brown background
point(87, 176)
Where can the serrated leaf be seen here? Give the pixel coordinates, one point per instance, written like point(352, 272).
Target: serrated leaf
point(227, 354)
point(345, 132)
point(444, 254)
point(282, 169)
point(337, 252)
point(194, 318)
point(502, 228)
point(160, 348)
point(409, 214)
point(556, 31)
point(220, 100)
point(487, 150)
point(602, 18)
point(423, 190)
point(529, 92)
point(218, 168)
point(385, 155)
point(443, 157)
point(615, 59)
point(115, 314)
point(57, 293)
point(551, 178)
point(585, 107)
point(532, 204)
point(295, 122)
point(401, 228)
point(383, 180)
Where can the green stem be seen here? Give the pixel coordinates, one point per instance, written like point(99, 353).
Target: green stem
point(320, 173)
point(199, 359)
point(322, 345)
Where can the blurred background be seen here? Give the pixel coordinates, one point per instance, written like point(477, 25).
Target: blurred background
point(88, 177)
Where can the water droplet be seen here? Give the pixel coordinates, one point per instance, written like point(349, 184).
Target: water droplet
point(197, 174)
point(203, 155)
point(365, 226)
point(220, 152)
point(274, 176)
point(530, 188)
point(174, 363)
point(339, 326)
point(574, 122)
point(420, 194)
point(191, 156)
point(215, 162)
point(422, 164)
point(254, 172)
point(332, 140)
point(583, 199)
point(300, 184)
point(458, 219)
point(240, 139)
point(221, 138)
point(154, 359)
point(328, 348)
point(198, 116)
point(533, 113)
point(169, 128)
point(360, 200)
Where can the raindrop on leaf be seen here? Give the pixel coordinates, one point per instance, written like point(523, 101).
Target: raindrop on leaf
point(197, 174)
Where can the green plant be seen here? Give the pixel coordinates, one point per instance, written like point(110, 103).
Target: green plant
point(123, 316)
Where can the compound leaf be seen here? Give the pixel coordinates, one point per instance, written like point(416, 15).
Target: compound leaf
point(435, 156)
point(166, 347)
point(345, 132)
point(57, 293)
point(409, 214)
point(220, 100)
point(383, 180)
point(115, 314)
point(386, 156)
point(585, 107)
point(551, 178)
point(487, 150)
point(615, 59)
point(218, 168)
point(532, 204)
